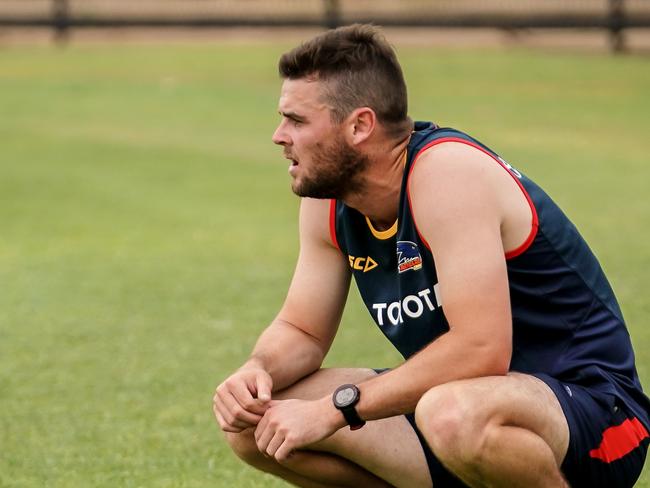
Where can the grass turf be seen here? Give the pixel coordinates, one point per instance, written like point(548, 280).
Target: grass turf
point(148, 233)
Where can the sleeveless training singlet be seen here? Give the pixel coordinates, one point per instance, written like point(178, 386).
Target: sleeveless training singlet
point(566, 320)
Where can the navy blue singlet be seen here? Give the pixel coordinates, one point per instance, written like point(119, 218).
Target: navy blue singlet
point(566, 320)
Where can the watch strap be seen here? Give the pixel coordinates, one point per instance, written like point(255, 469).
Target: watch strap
point(352, 417)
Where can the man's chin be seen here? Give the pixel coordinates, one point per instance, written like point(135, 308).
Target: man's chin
point(296, 188)
point(303, 192)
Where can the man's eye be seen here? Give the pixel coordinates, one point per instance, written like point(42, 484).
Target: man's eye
point(296, 123)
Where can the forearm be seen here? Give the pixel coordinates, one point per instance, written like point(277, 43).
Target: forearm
point(287, 353)
point(451, 357)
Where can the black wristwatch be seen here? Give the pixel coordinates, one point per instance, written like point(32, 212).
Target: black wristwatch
point(345, 398)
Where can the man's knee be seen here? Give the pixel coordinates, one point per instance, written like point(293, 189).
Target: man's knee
point(451, 423)
point(244, 446)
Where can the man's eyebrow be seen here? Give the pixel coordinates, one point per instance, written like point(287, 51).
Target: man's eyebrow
point(291, 115)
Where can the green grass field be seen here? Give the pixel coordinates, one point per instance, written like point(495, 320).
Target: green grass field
point(147, 233)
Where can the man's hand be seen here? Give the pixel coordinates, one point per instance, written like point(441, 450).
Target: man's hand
point(241, 400)
point(291, 424)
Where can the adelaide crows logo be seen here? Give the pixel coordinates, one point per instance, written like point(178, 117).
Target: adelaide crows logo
point(408, 256)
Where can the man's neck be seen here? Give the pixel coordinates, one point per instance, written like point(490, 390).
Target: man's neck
point(379, 199)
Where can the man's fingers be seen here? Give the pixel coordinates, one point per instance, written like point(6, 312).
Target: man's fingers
point(225, 426)
point(233, 420)
point(284, 452)
point(244, 398)
point(274, 444)
point(264, 385)
point(263, 435)
point(241, 400)
point(220, 413)
point(222, 423)
point(239, 412)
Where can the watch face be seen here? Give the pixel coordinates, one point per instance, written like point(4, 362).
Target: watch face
point(345, 396)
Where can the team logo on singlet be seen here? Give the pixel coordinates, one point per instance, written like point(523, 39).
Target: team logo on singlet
point(408, 256)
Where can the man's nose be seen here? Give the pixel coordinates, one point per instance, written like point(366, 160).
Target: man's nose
point(280, 136)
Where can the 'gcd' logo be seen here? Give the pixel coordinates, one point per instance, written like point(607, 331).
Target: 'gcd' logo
point(408, 256)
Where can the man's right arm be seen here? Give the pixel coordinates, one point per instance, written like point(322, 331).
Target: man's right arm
point(296, 342)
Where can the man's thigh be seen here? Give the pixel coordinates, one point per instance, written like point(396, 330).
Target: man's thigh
point(594, 437)
point(388, 448)
point(596, 441)
point(515, 399)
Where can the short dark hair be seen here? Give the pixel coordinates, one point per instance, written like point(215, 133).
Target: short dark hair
point(361, 70)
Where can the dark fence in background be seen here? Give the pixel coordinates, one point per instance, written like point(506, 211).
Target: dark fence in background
point(62, 16)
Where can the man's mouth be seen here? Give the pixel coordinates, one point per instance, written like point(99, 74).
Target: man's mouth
point(294, 162)
point(293, 166)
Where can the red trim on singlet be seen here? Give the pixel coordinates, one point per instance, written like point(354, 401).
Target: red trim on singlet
point(620, 440)
point(408, 197)
point(333, 224)
point(535, 223)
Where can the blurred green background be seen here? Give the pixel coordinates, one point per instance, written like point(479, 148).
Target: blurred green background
point(148, 233)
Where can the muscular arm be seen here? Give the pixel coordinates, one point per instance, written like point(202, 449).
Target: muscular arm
point(459, 202)
point(296, 342)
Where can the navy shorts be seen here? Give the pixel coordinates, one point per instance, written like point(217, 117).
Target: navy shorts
point(607, 446)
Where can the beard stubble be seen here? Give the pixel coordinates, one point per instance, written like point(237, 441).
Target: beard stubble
point(336, 172)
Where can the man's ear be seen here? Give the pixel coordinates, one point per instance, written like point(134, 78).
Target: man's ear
point(361, 124)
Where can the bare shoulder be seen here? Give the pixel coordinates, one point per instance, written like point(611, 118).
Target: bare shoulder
point(452, 163)
point(457, 185)
point(455, 176)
